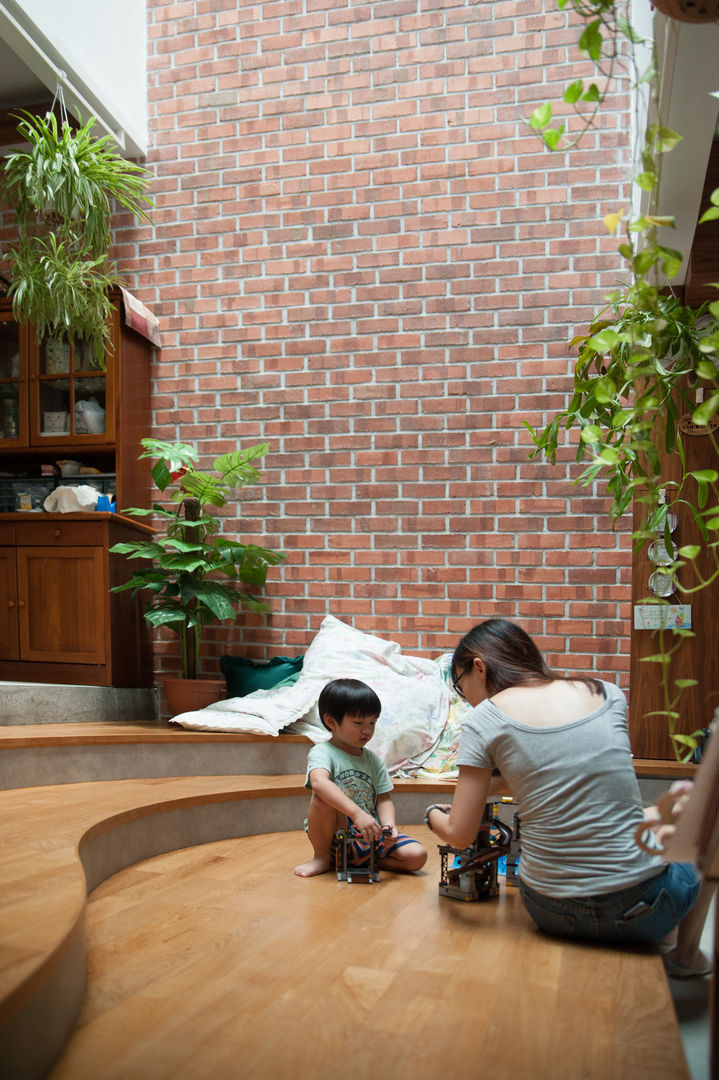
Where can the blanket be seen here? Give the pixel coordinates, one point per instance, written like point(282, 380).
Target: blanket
point(417, 732)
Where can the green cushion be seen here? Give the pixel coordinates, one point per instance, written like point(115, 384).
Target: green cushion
point(243, 675)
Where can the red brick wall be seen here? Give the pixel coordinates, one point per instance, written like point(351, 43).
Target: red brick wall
point(362, 256)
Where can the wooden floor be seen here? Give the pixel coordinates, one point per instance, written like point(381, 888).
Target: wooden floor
point(217, 962)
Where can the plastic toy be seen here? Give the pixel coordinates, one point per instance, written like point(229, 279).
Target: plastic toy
point(347, 872)
point(515, 849)
point(471, 873)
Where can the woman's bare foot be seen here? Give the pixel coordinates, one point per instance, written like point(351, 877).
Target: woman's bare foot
point(314, 866)
point(692, 965)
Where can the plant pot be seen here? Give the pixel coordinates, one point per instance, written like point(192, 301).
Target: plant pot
point(187, 695)
point(693, 11)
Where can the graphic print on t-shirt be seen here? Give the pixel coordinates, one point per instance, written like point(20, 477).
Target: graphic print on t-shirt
point(359, 788)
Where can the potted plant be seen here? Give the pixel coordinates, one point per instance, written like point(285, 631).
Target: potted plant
point(692, 11)
point(196, 575)
point(61, 190)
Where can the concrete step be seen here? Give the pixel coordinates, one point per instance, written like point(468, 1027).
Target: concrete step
point(23, 703)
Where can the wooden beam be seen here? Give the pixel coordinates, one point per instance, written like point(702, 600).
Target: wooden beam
point(703, 265)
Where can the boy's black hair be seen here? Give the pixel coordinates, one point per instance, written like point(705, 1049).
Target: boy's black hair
point(348, 697)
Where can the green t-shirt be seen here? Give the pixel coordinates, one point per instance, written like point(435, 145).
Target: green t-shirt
point(361, 777)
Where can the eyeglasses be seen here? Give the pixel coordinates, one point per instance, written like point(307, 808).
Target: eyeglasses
point(458, 679)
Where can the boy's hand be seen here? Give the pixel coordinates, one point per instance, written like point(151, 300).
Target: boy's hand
point(368, 828)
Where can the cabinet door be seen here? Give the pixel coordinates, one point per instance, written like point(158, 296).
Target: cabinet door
point(13, 382)
point(8, 605)
point(72, 400)
point(62, 593)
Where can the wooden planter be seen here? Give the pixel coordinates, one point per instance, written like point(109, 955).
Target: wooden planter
point(692, 11)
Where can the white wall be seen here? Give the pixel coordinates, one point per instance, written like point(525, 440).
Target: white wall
point(688, 57)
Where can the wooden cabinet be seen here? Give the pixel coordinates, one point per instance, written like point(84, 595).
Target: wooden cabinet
point(59, 620)
point(57, 402)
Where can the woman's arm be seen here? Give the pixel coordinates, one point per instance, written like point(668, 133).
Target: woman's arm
point(459, 828)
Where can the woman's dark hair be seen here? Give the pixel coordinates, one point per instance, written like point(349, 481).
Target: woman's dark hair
point(348, 697)
point(509, 655)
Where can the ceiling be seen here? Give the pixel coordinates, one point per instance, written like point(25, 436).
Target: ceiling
point(96, 52)
point(18, 85)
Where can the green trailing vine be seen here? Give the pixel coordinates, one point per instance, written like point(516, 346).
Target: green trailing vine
point(606, 35)
point(640, 364)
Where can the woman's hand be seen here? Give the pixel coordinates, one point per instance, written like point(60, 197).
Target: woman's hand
point(459, 828)
point(662, 819)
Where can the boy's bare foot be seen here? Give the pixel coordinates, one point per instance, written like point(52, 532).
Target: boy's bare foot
point(314, 866)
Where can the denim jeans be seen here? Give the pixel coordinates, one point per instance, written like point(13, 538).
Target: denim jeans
point(644, 912)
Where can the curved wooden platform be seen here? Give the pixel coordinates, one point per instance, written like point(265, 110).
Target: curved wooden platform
point(58, 843)
point(216, 962)
point(92, 802)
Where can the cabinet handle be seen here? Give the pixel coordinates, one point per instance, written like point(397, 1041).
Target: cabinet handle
point(21, 603)
point(11, 603)
point(58, 532)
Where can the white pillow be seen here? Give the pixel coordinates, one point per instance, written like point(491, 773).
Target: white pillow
point(414, 696)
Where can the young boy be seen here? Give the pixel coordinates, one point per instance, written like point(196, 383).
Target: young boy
point(348, 781)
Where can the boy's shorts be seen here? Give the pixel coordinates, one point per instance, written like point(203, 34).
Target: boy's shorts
point(358, 850)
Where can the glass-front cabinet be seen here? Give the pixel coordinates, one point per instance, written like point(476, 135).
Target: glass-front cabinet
point(69, 419)
point(70, 395)
point(70, 416)
point(13, 381)
point(54, 392)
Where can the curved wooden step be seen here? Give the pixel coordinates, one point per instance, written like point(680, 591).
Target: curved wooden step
point(38, 754)
point(58, 843)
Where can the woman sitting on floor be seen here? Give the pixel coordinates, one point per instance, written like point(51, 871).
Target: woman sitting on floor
point(562, 747)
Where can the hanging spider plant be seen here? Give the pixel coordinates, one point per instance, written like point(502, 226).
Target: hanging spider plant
point(61, 290)
point(62, 190)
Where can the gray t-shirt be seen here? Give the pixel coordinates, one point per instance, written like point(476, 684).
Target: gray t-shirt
point(362, 777)
point(577, 794)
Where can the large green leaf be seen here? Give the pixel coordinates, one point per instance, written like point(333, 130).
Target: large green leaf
point(217, 600)
point(205, 487)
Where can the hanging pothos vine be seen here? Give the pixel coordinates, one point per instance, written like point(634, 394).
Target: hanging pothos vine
point(642, 360)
